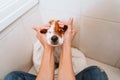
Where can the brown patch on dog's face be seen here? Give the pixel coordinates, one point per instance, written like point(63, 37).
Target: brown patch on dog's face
point(59, 30)
point(51, 21)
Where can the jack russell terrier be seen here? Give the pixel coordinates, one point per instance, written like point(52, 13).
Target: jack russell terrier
point(55, 34)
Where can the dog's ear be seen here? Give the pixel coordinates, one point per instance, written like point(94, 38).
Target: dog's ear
point(43, 31)
point(65, 28)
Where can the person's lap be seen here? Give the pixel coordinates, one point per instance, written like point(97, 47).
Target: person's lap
point(19, 75)
point(90, 73)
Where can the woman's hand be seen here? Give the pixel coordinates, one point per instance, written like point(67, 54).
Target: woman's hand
point(42, 37)
point(47, 62)
point(70, 33)
point(65, 65)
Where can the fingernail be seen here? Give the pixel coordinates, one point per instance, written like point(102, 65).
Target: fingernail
point(32, 27)
point(61, 25)
point(71, 18)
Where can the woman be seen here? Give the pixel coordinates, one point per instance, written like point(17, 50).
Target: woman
point(46, 71)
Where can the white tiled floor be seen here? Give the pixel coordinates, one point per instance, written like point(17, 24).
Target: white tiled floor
point(112, 72)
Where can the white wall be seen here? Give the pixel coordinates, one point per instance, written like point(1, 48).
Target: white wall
point(16, 43)
point(97, 22)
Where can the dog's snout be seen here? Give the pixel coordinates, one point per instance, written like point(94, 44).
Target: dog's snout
point(54, 38)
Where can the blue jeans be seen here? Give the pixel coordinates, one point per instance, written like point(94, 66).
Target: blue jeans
point(90, 73)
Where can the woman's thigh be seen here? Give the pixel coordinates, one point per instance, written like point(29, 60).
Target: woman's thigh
point(19, 75)
point(92, 73)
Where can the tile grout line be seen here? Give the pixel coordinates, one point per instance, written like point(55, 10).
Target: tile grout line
point(101, 19)
point(117, 63)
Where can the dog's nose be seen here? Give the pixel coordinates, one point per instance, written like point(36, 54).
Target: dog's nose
point(54, 38)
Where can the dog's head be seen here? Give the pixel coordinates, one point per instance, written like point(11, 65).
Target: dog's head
point(55, 34)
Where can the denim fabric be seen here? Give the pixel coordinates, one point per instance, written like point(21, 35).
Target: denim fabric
point(19, 75)
point(90, 73)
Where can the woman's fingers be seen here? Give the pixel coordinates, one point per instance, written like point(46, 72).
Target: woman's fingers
point(74, 31)
point(61, 24)
point(70, 21)
point(36, 28)
point(40, 28)
point(70, 24)
point(47, 25)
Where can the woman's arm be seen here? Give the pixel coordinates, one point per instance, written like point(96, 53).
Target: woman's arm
point(46, 71)
point(65, 67)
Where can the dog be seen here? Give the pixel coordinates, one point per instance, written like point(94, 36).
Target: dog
point(55, 37)
point(55, 34)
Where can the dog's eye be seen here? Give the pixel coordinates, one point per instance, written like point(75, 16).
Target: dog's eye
point(49, 31)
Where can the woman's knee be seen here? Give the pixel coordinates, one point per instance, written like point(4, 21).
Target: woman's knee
point(92, 73)
point(13, 76)
point(95, 69)
point(98, 72)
